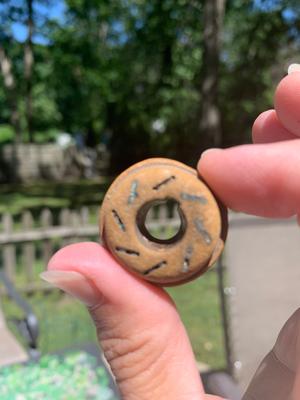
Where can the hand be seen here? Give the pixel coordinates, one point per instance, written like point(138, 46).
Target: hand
point(142, 335)
point(137, 325)
point(262, 179)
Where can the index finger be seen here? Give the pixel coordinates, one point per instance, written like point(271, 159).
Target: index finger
point(260, 179)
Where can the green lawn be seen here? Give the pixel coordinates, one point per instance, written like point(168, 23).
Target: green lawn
point(199, 306)
point(38, 195)
point(64, 322)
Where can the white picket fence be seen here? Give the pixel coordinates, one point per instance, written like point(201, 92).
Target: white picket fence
point(31, 240)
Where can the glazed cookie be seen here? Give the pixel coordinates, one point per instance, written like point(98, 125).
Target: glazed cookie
point(199, 240)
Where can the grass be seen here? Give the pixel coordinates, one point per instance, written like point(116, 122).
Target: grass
point(64, 322)
point(199, 307)
point(15, 198)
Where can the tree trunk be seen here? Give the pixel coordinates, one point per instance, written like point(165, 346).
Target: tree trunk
point(210, 119)
point(10, 88)
point(28, 66)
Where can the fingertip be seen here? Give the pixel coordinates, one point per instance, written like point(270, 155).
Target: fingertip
point(216, 169)
point(73, 256)
point(287, 102)
point(95, 263)
point(256, 179)
point(268, 129)
point(206, 158)
point(258, 126)
point(98, 265)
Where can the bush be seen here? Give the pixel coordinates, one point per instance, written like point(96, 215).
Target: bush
point(75, 376)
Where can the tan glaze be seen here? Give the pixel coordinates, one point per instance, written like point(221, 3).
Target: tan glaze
point(195, 247)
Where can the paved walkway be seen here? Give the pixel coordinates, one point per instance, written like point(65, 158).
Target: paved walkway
point(263, 260)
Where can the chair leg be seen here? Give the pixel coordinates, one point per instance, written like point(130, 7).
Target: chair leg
point(220, 383)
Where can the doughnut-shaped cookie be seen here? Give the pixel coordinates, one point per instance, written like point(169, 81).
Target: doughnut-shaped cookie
point(194, 248)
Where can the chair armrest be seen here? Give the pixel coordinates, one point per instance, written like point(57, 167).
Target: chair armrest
point(28, 326)
point(221, 384)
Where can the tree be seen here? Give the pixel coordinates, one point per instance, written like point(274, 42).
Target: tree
point(28, 67)
point(8, 14)
point(251, 51)
point(11, 92)
point(17, 61)
point(210, 117)
point(145, 77)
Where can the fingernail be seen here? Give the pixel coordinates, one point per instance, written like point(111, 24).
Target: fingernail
point(212, 150)
point(293, 68)
point(75, 284)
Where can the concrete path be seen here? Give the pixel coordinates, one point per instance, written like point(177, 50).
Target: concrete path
point(263, 261)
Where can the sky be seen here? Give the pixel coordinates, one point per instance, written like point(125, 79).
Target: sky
point(57, 8)
point(54, 11)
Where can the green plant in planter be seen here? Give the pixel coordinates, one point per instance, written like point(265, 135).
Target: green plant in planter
point(75, 376)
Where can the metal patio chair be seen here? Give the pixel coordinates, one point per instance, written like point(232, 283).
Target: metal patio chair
point(11, 350)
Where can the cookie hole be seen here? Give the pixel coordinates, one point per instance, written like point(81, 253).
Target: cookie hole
point(162, 221)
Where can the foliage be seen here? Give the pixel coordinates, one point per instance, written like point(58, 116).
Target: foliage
point(252, 49)
point(50, 378)
point(36, 196)
point(128, 72)
point(6, 134)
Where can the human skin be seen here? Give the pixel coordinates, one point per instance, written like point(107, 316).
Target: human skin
point(138, 327)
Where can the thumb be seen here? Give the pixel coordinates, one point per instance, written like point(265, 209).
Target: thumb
point(278, 376)
point(137, 324)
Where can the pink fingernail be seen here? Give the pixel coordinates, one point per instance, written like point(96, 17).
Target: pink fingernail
point(75, 284)
point(212, 150)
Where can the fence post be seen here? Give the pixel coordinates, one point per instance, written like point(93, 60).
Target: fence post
point(46, 222)
point(163, 218)
point(75, 222)
point(150, 214)
point(9, 250)
point(28, 248)
point(84, 215)
point(64, 220)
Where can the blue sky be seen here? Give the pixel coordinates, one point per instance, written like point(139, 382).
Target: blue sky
point(54, 11)
point(57, 8)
